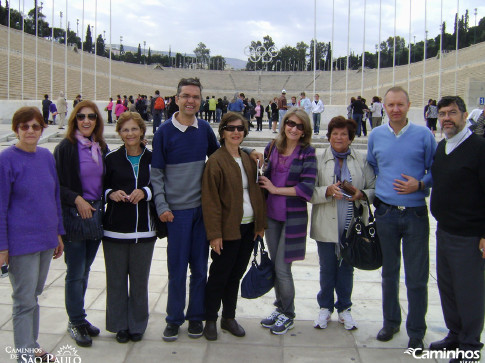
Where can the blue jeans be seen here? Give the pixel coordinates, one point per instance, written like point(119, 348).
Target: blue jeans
point(218, 115)
point(411, 226)
point(335, 276)
point(358, 119)
point(281, 114)
point(187, 246)
point(316, 122)
point(284, 286)
point(79, 256)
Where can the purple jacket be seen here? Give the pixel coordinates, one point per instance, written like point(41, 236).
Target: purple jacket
point(302, 176)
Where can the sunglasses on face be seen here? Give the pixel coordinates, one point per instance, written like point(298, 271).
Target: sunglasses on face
point(25, 127)
point(82, 116)
point(292, 124)
point(232, 128)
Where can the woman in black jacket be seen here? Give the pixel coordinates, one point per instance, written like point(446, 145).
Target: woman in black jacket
point(129, 234)
point(80, 167)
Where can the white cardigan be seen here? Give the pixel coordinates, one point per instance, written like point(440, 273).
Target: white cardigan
point(324, 223)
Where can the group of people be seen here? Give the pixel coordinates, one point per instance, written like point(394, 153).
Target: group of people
point(236, 197)
point(59, 108)
point(360, 113)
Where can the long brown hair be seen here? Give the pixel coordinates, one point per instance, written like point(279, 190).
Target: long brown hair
point(307, 129)
point(97, 134)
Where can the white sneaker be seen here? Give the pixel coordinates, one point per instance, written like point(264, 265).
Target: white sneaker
point(323, 318)
point(346, 318)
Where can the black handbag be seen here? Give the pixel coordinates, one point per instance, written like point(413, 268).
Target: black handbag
point(78, 229)
point(360, 246)
point(160, 227)
point(260, 277)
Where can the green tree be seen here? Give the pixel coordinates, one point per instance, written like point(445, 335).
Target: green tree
point(138, 54)
point(202, 54)
point(217, 62)
point(149, 57)
point(321, 52)
point(100, 46)
point(88, 43)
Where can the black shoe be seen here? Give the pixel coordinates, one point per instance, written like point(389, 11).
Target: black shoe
point(171, 333)
point(386, 333)
point(446, 343)
point(417, 344)
point(123, 336)
point(91, 329)
point(210, 330)
point(233, 327)
point(136, 337)
point(79, 334)
point(195, 329)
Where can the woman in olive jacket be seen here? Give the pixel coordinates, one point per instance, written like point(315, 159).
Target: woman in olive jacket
point(233, 207)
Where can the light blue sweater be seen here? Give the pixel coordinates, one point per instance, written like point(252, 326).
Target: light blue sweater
point(410, 154)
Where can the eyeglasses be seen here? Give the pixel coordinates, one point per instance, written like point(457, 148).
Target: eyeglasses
point(187, 97)
point(292, 124)
point(82, 116)
point(232, 128)
point(133, 129)
point(451, 114)
point(25, 127)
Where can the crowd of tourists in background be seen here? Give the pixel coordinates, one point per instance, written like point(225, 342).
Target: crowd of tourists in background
point(126, 197)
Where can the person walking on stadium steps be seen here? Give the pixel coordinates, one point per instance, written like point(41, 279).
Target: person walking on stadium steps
point(156, 111)
point(282, 107)
point(305, 103)
point(212, 105)
point(45, 108)
point(61, 105)
point(317, 110)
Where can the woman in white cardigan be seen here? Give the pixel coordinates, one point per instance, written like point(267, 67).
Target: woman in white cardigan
point(331, 214)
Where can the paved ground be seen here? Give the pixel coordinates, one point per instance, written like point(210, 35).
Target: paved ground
point(302, 344)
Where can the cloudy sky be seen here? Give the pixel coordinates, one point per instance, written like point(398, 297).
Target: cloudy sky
point(227, 27)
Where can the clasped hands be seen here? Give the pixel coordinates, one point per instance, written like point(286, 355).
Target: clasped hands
point(121, 196)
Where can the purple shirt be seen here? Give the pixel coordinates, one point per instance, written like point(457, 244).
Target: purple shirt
point(91, 174)
point(276, 204)
point(30, 205)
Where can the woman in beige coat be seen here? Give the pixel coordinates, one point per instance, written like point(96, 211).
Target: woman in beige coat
point(331, 214)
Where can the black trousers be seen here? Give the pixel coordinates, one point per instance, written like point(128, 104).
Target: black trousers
point(461, 283)
point(225, 272)
point(259, 121)
point(45, 114)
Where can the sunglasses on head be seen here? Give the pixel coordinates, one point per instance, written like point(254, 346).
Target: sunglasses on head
point(232, 128)
point(292, 124)
point(82, 116)
point(35, 127)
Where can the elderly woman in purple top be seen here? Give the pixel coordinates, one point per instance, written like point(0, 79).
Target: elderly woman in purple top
point(80, 166)
point(289, 179)
point(28, 182)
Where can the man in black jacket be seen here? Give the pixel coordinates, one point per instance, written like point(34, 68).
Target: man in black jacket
point(45, 108)
point(457, 203)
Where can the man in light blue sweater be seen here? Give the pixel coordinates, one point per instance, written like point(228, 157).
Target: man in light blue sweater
point(401, 154)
